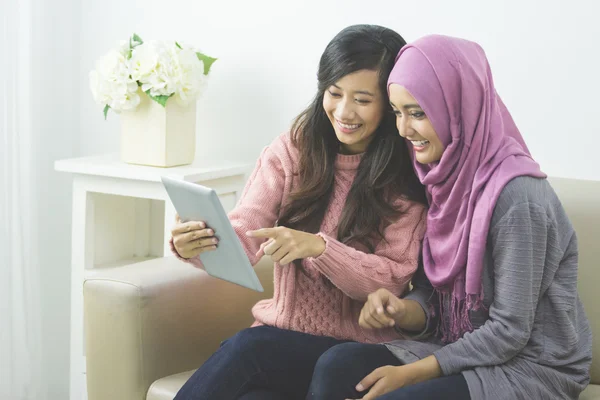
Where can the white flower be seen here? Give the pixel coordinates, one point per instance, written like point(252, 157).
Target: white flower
point(165, 69)
point(192, 80)
point(123, 48)
point(159, 68)
point(111, 83)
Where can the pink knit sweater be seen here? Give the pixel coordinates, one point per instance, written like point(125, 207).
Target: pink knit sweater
point(305, 302)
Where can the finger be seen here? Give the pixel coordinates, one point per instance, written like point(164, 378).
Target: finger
point(187, 227)
point(177, 219)
point(289, 257)
point(195, 252)
point(377, 390)
point(205, 242)
point(279, 254)
point(261, 250)
point(272, 247)
point(186, 240)
point(376, 301)
point(266, 243)
point(371, 317)
point(199, 234)
point(188, 255)
point(198, 244)
point(372, 322)
point(367, 321)
point(370, 379)
point(395, 306)
point(263, 233)
point(379, 302)
point(383, 319)
point(200, 250)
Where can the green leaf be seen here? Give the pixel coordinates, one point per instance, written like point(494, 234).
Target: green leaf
point(137, 39)
point(134, 41)
point(162, 100)
point(106, 108)
point(208, 61)
point(178, 45)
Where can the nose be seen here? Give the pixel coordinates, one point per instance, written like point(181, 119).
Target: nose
point(344, 111)
point(402, 125)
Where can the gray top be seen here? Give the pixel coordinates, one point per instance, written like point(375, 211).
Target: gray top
point(534, 340)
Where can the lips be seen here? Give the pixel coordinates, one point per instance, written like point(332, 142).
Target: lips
point(347, 128)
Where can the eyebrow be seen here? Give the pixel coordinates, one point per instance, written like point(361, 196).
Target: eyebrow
point(406, 106)
point(358, 91)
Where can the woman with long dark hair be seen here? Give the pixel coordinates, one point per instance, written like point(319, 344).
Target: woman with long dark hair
point(336, 205)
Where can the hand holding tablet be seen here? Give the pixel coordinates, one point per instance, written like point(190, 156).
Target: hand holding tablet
point(201, 208)
point(193, 238)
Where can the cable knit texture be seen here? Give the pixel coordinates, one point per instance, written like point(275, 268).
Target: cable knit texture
point(326, 298)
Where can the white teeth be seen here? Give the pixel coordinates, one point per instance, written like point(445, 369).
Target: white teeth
point(346, 126)
point(419, 143)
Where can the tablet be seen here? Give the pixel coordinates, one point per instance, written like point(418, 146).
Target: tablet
point(229, 261)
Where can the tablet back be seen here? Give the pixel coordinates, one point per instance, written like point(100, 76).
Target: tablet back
point(229, 262)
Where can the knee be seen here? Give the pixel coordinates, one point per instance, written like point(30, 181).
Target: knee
point(330, 378)
point(250, 340)
point(333, 360)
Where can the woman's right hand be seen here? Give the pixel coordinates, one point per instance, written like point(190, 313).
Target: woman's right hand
point(382, 310)
point(192, 238)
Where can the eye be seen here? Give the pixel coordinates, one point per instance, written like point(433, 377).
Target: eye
point(333, 94)
point(417, 114)
point(362, 101)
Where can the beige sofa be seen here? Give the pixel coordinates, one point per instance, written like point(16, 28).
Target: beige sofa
point(149, 325)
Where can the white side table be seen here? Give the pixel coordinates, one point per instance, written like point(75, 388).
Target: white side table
point(121, 215)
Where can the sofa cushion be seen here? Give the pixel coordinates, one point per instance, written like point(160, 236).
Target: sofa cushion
point(167, 388)
point(580, 199)
point(591, 393)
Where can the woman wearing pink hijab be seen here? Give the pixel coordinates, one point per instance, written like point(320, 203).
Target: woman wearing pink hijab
point(494, 311)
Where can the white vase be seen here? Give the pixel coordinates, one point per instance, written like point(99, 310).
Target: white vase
point(158, 136)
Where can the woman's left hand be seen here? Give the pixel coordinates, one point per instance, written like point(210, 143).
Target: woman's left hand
point(384, 380)
point(286, 245)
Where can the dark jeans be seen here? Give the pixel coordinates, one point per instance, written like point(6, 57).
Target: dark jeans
point(342, 367)
point(259, 363)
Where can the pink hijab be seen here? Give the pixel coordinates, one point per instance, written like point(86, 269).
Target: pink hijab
point(451, 80)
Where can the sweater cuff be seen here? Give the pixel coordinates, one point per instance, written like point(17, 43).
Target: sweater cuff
point(333, 253)
point(410, 335)
point(430, 320)
point(445, 359)
point(195, 261)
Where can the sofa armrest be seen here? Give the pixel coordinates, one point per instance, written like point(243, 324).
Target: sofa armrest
point(156, 318)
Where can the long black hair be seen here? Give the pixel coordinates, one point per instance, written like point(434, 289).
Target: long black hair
point(385, 172)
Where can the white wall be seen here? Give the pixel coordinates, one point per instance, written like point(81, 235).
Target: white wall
point(545, 57)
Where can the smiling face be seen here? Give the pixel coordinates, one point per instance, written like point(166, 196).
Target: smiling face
point(414, 126)
point(355, 107)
